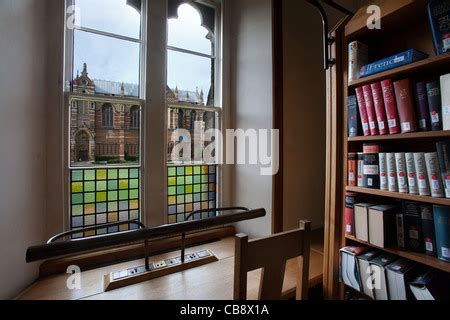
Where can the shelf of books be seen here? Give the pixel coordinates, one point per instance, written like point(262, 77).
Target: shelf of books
point(396, 150)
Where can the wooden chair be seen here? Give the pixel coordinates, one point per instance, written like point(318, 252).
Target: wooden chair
point(271, 254)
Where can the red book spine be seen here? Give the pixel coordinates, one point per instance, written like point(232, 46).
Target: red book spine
point(380, 110)
point(371, 114)
point(391, 107)
point(363, 111)
point(405, 104)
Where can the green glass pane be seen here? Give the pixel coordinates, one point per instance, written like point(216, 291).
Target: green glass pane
point(101, 196)
point(77, 198)
point(101, 174)
point(77, 210)
point(112, 195)
point(77, 175)
point(180, 190)
point(189, 189)
point(197, 170)
point(89, 175)
point(112, 185)
point(180, 171)
point(123, 195)
point(134, 194)
point(180, 199)
point(123, 174)
point(180, 180)
point(204, 197)
point(189, 180)
point(112, 206)
point(89, 186)
point(123, 184)
point(189, 171)
point(205, 188)
point(101, 186)
point(89, 197)
point(197, 179)
point(134, 173)
point(77, 187)
point(197, 188)
point(172, 181)
point(204, 179)
point(172, 191)
point(134, 184)
point(112, 174)
point(171, 172)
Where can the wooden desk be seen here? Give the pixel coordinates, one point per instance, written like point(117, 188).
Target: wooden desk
point(212, 281)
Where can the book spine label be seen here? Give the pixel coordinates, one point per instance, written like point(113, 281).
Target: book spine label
point(442, 228)
point(401, 172)
point(363, 111)
point(353, 120)
point(422, 175)
point(380, 110)
point(422, 105)
point(391, 107)
point(349, 214)
point(392, 172)
point(434, 104)
point(360, 180)
point(443, 150)
point(412, 175)
point(445, 96)
point(384, 185)
point(434, 175)
point(426, 212)
point(371, 114)
point(352, 170)
point(400, 231)
point(371, 167)
point(405, 105)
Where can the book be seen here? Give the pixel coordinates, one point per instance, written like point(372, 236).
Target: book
point(442, 228)
point(445, 101)
point(380, 109)
point(384, 186)
point(399, 274)
point(427, 287)
point(353, 117)
point(349, 214)
point(352, 170)
point(391, 107)
point(382, 225)
point(392, 172)
point(371, 114)
point(362, 221)
point(368, 282)
point(360, 178)
point(378, 266)
point(349, 268)
point(358, 56)
point(363, 111)
point(434, 105)
point(402, 181)
point(395, 61)
point(429, 238)
point(405, 105)
point(439, 15)
point(422, 106)
point(371, 166)
point(434, 175)
point(443, 150)
point(422, 174)
point(413, 227)
point(411, 172)
point(400, 230)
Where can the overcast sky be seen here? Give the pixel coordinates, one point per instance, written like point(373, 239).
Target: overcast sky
point(118, 60)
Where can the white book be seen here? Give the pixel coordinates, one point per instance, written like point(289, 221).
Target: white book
point(422, 174)
point(412, 175)
point(392, 172)
point(445, 96)
point(401, 173)
point(384, 186)
point(434, 175)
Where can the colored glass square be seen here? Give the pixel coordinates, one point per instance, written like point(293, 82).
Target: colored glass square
point(134, 194)
point(205, 205)
point(212, 169)
point(112, 206)
point(123, 216)
point(197, 197)
point(180, 171)
point(134, 173)
point(101, 208)
point(197, 179)
point(172, 191)
point(189, 180)
point(197, 170)
point(123, 195)
point(77, 210)
point(77, 222)
point(101, 174)
point(172, 219)
point(180, 180)
point(180, 199)
point(172, 172)
point(205, 197)
point(172, 210)
point(101, 197)
point(180, 190)
point(205, 188)
point(113, 195)
point(134, 215)
point(123, 205)
point(77, 175)
point(89, 208)
point(112, 174)
point(205, 179)
point(212, 187)
point(112, 185)
point(123, 174)
point(189, 189)
point(134, 184)
point(101, 219)
point(205, 170)
point(180, 208)
point(180, 217)
point(197, 188)
point(212, 178)
point(123, 184)
point(134, 204)
point(89, 186)
point(188, 198)
point(89, 197)
point(197, 206)
point(89, 175)
point(101, 186)
point(77, 187)
point(189, 207)
point(113, 217)
point(89, 220)
point(172, 200)
point(77, 198)
point(189, 171)
point(89, 233)
point(172, 181)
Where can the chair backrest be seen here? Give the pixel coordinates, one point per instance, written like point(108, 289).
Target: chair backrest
point(271, 254)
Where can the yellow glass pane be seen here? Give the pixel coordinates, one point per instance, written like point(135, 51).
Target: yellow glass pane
point(172, 200)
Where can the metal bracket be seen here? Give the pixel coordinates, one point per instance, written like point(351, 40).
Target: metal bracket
point(328, 40)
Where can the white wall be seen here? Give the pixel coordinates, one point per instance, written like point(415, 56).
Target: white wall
point(251, 101)
point(22, 139)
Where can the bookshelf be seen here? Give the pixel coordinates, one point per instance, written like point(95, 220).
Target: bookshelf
point(397, 35)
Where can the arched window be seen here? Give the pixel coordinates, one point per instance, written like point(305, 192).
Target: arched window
point(135, 117)
point(107, 116)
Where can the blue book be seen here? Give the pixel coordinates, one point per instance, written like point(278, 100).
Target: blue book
point(395, 61)
point(439, 16)
point(442, 227)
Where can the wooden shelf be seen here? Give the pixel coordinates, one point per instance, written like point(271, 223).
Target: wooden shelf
point(405, 136)
point(436, 63)
point(402, 196)
point(418, 257)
